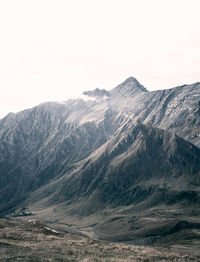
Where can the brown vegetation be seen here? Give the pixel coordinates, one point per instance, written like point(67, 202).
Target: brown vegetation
point(35, 241)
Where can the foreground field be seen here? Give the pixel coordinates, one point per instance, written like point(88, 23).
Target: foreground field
point(36, 241)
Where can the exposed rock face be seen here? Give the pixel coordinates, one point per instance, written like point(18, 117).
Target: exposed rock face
point(130, 86)
point(109, 148)
point(97, 93)
point(136, 164)
point(41, 143)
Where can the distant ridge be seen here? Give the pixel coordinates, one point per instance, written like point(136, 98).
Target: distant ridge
point(97, 93)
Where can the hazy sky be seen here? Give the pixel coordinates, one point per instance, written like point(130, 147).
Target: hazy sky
point(51, 50)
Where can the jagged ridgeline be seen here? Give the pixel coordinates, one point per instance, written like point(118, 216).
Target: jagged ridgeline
point(118, 161)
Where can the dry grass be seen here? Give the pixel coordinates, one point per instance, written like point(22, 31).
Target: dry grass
point(33, 242)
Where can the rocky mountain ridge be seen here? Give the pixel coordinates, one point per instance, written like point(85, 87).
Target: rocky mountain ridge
point(105, 150)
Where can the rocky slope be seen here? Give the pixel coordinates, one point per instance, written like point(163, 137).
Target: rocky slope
point(104, 150)
point(138, 163)
point(139, 169)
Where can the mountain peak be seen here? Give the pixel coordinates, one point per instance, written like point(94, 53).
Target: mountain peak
point(130, 86)
point(131, 79)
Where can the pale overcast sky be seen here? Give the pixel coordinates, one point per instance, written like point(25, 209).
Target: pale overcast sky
point(54, 49)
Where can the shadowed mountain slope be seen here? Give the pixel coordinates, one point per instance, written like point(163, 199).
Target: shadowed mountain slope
point(141, 173)
point(132, 166)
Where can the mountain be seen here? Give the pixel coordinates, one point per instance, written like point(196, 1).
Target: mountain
point(141, 157)
point(139, 170)
point(106, 161)
point(39, 143)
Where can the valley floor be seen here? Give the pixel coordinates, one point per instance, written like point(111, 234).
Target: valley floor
point(35, 241)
